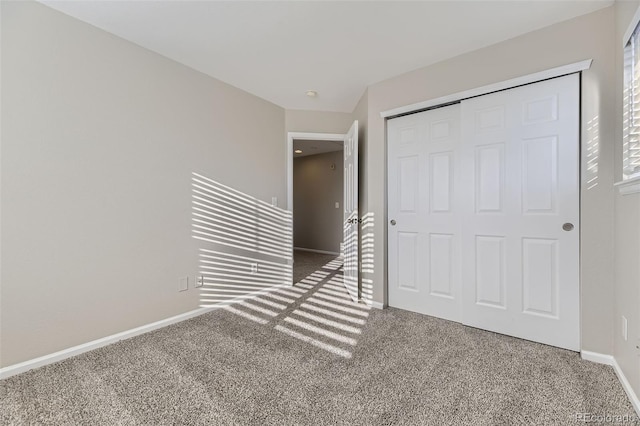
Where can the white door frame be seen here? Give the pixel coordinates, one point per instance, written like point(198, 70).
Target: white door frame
point(490, 88)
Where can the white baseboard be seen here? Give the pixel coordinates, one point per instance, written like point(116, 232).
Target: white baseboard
point(317, 251)
point(14, 369)
point(373, 304)
point(610, 360)
point(597, 357)
point(244, 297)
point(627, 387)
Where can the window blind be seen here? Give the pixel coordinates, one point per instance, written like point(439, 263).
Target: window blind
point(631, 133)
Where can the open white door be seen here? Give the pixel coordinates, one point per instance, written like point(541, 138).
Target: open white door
point(351, 222)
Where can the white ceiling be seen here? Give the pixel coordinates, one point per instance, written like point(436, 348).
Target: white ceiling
point(311, 147)
point(279, 50)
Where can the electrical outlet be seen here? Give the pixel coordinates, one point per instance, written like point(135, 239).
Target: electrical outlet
point(254, 268)
point(274, 201)
point(199, 281)
point(337, 205)
point(183, 283)
point(624, 328)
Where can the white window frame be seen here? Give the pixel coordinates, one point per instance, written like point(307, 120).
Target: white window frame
point(631, 103)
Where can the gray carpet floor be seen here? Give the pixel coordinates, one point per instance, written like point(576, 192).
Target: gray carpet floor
point(306, 263)
point(309, 356)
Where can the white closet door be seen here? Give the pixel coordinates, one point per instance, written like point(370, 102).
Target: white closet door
point(484, 212)
point(423, 209)
point(520, 215)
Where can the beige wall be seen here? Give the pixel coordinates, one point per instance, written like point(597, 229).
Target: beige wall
point(99, 140)
point(627, 286)
point(588, 36)
point(627, 231)
point(317, 121)
point(317, 223)
point(100, 137)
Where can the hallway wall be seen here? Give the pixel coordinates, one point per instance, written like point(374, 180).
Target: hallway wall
point(317, 223)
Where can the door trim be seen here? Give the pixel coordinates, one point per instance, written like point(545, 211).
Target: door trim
point(495, 87)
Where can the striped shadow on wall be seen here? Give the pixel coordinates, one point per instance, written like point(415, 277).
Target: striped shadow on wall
point(246, 243)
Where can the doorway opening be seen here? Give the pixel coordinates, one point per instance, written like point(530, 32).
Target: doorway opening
point(348, 172)
point(317, 197)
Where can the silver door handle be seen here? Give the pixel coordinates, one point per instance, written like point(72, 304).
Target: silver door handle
point(393, 222)
point(567, 226)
